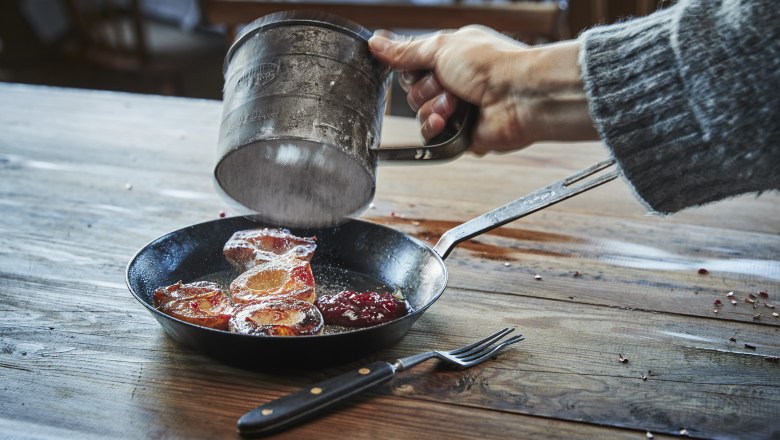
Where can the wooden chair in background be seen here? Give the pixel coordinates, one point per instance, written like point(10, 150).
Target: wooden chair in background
point(531, 21)
point(533, 18)
point(115, 36)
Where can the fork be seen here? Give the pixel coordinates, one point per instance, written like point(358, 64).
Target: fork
point(293, 408)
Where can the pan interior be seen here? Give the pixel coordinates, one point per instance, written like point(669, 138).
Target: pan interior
point(329, 280)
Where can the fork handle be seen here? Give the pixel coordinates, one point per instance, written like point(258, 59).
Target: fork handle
point(296, 407)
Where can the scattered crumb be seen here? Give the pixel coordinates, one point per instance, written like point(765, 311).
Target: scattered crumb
point(415, 223)
point(537, 277)
point(750, 346)
point(757, 317)
point(643, 376)
point(734, 302)
point(507, 264)
point(775, 314)
point(703, 271)
point(730, 294)
point(684, 432)
point(649, 434)
point(577, 274)
point(733, 339)
point(128, 186)
point(371, 205)
point(222, 214)
point(763, 294)
point(622, 359)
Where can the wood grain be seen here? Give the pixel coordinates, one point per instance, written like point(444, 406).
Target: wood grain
point(87, 178)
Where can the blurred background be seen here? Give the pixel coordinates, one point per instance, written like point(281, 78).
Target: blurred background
point(176, 47)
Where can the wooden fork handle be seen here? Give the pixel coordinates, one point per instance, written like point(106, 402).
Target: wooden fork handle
point(301, 405)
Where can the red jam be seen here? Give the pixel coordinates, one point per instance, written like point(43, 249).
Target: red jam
point(360, 309)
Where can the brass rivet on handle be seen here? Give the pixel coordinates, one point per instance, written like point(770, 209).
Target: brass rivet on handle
point(267, 412)
point(364, 371)
point(316, 390)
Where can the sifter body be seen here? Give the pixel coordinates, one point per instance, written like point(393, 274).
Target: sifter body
point(301, 122)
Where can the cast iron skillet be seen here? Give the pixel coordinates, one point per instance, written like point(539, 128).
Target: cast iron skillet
point(358, 247)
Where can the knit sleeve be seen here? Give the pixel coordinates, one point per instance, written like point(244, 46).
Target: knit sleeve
point(688, 100)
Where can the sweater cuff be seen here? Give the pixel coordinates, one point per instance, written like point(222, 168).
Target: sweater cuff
point(637, 103)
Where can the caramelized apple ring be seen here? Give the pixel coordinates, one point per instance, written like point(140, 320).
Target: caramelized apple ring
point(277, 317)
point(248, 248)
point(200, 303)
point(284, 277)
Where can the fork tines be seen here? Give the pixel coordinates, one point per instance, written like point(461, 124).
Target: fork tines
point(483, 349)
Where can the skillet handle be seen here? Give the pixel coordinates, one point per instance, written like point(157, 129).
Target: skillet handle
point(294, 408)
point(578, 182)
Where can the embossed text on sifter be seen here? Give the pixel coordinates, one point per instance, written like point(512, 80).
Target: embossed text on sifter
point(302, 116)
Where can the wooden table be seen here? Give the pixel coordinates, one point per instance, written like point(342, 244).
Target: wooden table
point(87, 178)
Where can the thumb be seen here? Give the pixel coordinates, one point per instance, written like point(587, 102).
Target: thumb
point(405, 54)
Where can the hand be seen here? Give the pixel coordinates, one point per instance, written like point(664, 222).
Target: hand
point(524, 94)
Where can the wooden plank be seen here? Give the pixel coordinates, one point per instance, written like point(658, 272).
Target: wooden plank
point(76, 350)
point(61, 376)
point(209, 416)
point(610, 268)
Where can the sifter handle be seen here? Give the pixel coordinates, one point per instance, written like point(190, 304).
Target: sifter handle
point(449, 144)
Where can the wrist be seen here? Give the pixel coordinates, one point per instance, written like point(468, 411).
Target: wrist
point(548, 93)
point(554, 69)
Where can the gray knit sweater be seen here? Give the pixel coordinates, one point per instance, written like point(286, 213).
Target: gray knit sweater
point(688, 99)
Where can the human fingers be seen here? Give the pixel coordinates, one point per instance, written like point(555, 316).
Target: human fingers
point(433, 115)
point(442, 104)
point(423, 91)
point(432, 126)
point(386, 34)
point(477, 150)
point(406, 78)
point(405, 54)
